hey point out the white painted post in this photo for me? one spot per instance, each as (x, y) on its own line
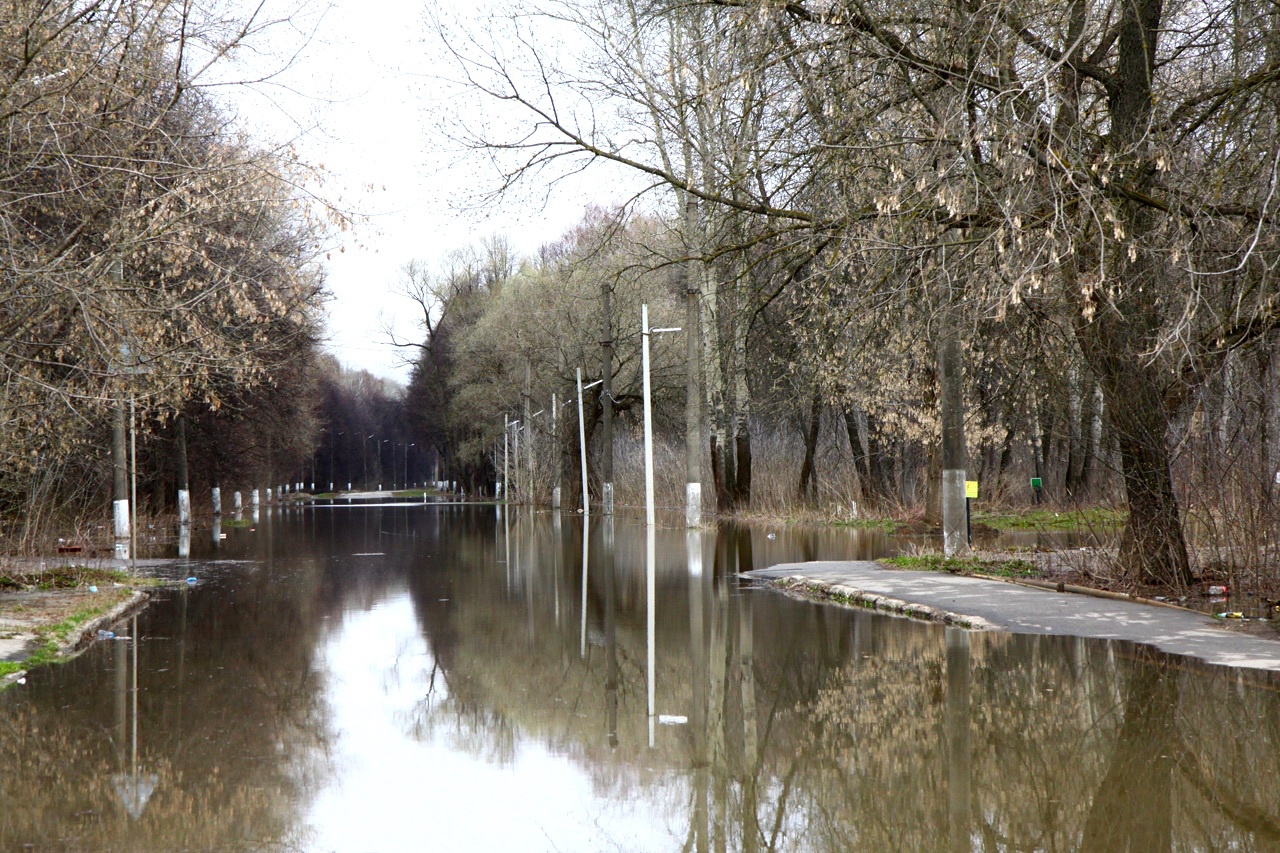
(582, 446)
(556, 457)
(649, 512)
(237, 501)
(120, 517)
(254, 500)
(184, 508)
(215, 497)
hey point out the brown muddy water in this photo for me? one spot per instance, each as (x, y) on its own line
(444, 677)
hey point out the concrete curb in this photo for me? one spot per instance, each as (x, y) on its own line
(83, 637)
(848, 596)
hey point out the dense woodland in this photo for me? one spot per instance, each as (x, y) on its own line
(1014, 240)
(155, 265)
(903, 241)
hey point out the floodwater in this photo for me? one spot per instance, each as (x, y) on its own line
(444, 677)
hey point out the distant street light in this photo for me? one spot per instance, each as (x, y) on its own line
(507, 424)
(582, 440)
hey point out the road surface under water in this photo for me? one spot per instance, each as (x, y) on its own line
(447, 677)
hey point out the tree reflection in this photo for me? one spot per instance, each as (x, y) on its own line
(807, 727)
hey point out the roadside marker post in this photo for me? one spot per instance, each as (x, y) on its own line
(970, 495)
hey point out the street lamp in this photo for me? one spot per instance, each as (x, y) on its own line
(645, 333)
(507, 424)
(582, 439)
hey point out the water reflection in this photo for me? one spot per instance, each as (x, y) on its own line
(393, 677)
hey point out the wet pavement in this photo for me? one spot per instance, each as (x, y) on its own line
(1000, 605)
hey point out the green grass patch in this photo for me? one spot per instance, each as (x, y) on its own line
(50, 639)
(1014, 568)
(236, 522)
(410, 493)
(886, 524)
(61, 577)
(1047, 519)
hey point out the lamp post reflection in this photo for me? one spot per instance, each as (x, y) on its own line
(586, 540)
(650, 587)
(133, 786)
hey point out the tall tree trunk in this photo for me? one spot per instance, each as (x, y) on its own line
(180, 442)
(1117, 340)
(713, 375)
(119, 455)
(807, 490)
(694, 330)
(741, 416)
(1077, 424)
(1271, 405)
(951, 403)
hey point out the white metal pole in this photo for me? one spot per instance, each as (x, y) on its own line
(506, 431)
(133, 486)
(582, 446)
(556, 458)
(648, 417)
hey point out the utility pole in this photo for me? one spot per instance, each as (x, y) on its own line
(528, 429)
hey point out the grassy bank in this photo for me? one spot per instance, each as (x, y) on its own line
(44, 613)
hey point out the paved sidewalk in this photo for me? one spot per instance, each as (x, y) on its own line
(1026, 610)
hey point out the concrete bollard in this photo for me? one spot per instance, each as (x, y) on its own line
(215, 496)
(120, 521)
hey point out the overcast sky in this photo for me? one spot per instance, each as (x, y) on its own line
(366, 96)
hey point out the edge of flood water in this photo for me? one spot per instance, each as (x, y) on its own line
(848, 596)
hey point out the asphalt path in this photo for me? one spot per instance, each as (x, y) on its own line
(998, 605)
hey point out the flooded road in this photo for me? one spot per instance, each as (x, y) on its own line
(446, 677)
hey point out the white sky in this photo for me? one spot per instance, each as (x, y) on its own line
(367, 86)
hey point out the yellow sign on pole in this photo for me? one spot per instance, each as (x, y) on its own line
(971, 489)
